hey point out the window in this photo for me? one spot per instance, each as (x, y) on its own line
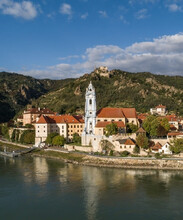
(38, 126)
(37, 131)
(62, 131)
(74, 126)
(120, 146)
(77, 126)
(81, 126)
(90, 101)
(129, 146)
(98, 120)
(71, 126)
(124, 146)
(44, 131)
(62, 127)
(105, 120)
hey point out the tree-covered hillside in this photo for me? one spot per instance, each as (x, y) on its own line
(117, 89)
(16, 91)
(121, 89)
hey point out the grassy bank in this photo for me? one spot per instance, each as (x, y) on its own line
(71, 157)
(10, 147)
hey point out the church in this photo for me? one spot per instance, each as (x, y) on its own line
(96, 121)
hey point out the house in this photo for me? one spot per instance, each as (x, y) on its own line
(101, 125)
(126, 115)
(173, 134)
(159, 110)
(32, 114)
(124, 145)
(165, 149)
(64, 125)
(156, 147)
(173, 121)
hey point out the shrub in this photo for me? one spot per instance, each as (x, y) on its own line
(125, 153)
(158, 156)
(111, 153)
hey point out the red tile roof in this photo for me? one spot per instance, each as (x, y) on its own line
(160, 106)
(174, 133)
(102, 124)
(58, 119)
(129, 142)
(157, 146)
(117, 113)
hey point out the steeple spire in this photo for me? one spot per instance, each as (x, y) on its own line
(90, 110)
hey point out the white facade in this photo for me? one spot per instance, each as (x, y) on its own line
(165, 149)
(90, 110)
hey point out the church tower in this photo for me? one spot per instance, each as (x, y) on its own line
(90, 110)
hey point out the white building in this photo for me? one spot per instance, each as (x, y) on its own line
(159, 110)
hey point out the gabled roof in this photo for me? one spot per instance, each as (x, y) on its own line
(128, 141)
(157, 146)
(102, 124)
(117, 113)
(58, 119)
(141, 130)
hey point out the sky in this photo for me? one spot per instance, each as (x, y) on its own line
(61, 39)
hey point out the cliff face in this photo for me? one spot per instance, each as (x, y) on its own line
(118, 89)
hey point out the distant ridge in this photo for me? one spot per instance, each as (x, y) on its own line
(116, 88)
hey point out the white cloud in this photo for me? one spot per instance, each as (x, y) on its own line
(162, 55)
(103, 14)
(141, 14)
(24, 9)
(174, 8)
(66, 9)
(84, 16)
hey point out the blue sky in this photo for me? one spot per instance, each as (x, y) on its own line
(59, 39)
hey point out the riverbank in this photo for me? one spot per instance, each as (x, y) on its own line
(102, 161)
(125, 163)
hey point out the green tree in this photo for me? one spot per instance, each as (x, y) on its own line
(13, 135)
(131, 128)
(165, 124)
(50, 137)
(58, 140)
(176, 145)
(17, 135)
(142, 141)
(111, 129)
(136, 150)
(29, 126)
(28, 137)
(76, 138)
(5, 131)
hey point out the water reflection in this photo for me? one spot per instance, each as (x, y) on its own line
(90, 189)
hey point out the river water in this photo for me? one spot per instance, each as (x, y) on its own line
(39, 188)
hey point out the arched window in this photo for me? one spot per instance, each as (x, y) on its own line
(90, 102)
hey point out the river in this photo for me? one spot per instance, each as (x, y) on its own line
(39, 188)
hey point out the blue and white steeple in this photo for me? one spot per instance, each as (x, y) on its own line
(90, 110)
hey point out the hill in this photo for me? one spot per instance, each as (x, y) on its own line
(115, 88)
(16, 91)
(118, 89)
